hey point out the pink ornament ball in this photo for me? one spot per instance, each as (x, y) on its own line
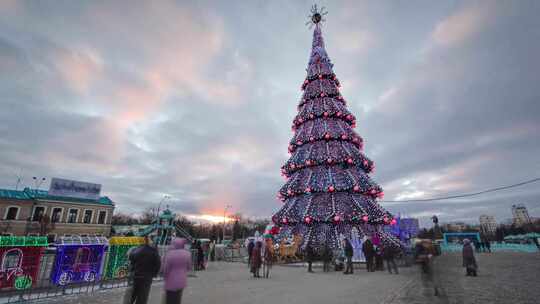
(343, 137)
(326, 136)
(306, 81)
(329, 160)
(312, 139)
(393, 222)
(349, 117)
(350, 161)
(325, 114)
(365, 218)
(307, 219)
(300, 120)
(356, 188)
(289, 192)
(331, 189)
(322, 94)
(285, 221)
(337, 218)
(299, 143)
(293, 166)
(308, 190)
(320, 76)
(311, 116)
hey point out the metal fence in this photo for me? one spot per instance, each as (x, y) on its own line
(45, 288)
(495, 247)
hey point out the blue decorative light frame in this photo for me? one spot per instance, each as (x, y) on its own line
(78, 259)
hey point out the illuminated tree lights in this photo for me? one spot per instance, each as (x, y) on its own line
(328, 191)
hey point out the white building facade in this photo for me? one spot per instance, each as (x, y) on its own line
(488, 224)
(520, 215)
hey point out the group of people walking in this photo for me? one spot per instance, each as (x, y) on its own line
(374, 254)
(145, 264)
(260, 256)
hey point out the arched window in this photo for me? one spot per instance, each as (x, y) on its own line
(12, 213)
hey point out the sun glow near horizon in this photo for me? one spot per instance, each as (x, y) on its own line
(215, 219)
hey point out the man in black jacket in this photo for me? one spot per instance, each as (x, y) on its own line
(309, 256)
(144, 266)
(369, 253)
(348, 250)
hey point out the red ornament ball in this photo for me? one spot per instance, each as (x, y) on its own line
(325, 114)
(349, 117)
(337, 218)
(331, 189)
(320, 76)
(285, 221)
(338, 114)
(329, 160)
(327, 136)
(308, 219)
(312, 139)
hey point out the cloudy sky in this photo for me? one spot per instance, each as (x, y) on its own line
(196, 99)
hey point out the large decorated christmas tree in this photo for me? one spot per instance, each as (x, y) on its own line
(328, 191)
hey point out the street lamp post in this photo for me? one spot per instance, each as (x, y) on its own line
(224, 212)
(160, 202)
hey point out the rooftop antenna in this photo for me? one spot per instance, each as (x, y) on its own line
(19, 179)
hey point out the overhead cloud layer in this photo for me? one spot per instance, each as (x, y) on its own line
(196, 100)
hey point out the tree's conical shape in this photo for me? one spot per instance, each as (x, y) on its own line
(328, 191)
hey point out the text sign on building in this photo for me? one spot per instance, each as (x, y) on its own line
(71, 188)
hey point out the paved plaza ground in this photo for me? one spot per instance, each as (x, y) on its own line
(503, 278)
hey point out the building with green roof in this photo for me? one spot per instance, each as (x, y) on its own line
(31, 212)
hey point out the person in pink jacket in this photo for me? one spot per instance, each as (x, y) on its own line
(176, 265)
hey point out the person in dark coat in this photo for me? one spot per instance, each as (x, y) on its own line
(327, 258)
(348, 250)
(369, 252)
(389, 254)
(250, 247)
(477, 245)
(145, 264)
(379, 263)
(200, 256)
(469, 261)
(309, 256)
(256, 260)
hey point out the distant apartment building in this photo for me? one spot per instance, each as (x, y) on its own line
(488, 225)
(55, 213)
(520, 215)
(455, 226)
